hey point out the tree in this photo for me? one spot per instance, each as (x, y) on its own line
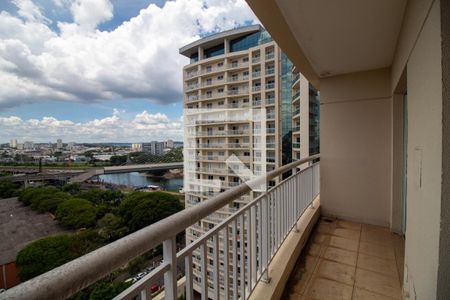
(43, 255)
(76, 213)
(51, 202)
(50, 252)
(8, 189)
(72, 188)
(152, 208)
(107, 290)
(111, 227)
(98, 196)
(127, 206)
(117, 160)
(35, 195)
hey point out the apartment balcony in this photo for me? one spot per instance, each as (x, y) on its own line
(256, 74)
(212, 95)
(208, 71)
(296, 112)
(270, 86)
(270, 101)
(238, 65)
(296, 145)
(270, 71)
(238, 92)
(270, 56)
(296, 129)
(256, 60)
(257, 103)
(296, 80)
(296, 96)
(238, 78)
(256, 88)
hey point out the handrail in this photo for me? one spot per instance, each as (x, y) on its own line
(66, 280)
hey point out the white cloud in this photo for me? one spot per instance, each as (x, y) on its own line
(143, 127)
(29, 11)
(139, 59)
(89, 13)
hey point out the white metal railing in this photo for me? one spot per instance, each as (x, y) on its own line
(253, 235)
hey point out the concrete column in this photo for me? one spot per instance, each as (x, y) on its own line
(226, 45)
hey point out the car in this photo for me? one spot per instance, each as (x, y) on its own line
(154, 288)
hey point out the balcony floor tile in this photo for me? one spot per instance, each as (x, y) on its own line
(347, 260)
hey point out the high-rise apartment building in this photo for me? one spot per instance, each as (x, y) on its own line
(154, 147)
(305, 117)
(59, 144)
(237, 100)
(13, 143)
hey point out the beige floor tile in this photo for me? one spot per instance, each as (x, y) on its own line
(377, 283)
(348, 225)
(327, 289)
(302, 273)
(321, 238)
(377, 250)
(314, 249)
(344, 243)
(340, 256)
(336, 271)
(380, 265)
(360, 294)
(324, 227)
(293, 296)
(346, 233)
(368, 227)
(377, 237)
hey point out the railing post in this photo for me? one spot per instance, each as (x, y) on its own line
(170, 277)
(265, 239)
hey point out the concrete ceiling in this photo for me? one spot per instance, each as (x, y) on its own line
(344, 36)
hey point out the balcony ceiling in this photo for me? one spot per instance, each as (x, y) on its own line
(334, 37)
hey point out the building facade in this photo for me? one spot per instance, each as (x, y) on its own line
(154, 147)
(305, 117)
(237, 100)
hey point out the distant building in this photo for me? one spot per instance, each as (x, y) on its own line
(154, 147)
(20, 146)
(178, 144)
(71, 145)
(168, 144)
(59, 144)
(13, 143)
(136, 147)
(28, 145)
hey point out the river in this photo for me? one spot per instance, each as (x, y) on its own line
(136, 179)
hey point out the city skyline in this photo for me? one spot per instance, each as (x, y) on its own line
(64, 85)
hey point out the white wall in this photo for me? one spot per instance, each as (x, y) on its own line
(355, 131)
(424, 81)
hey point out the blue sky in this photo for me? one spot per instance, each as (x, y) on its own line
(124, 10)
(101, 70)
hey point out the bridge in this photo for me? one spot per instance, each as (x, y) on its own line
(126, 169)
(81, 176)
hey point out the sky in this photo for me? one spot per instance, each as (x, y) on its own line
(101, 70)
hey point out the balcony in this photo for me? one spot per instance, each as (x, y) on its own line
(256, 88)
(270, 56)
(256, 60)
(295, 79)
(270, 101)
(256, 74)
(296, 96)
(348, 260)
(270, 86)
(296, 145)
(270, 71)
(243, 224)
